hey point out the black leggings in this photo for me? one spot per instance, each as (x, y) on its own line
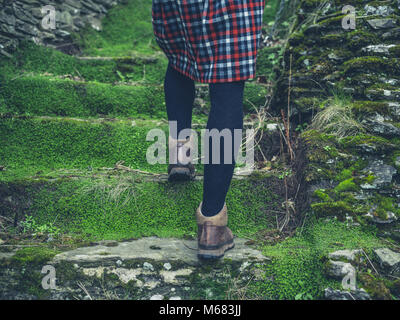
(226, 113)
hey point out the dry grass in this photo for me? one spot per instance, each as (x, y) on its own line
(119, 192)
(337, 118)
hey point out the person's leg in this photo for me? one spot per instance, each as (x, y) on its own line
(226, 113)
(179, 93)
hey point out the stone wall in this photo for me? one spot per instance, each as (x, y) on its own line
(22, 19)
(357, 176)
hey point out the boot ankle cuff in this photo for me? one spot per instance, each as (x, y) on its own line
(220, 219)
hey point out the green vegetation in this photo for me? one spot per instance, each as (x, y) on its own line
(346, 185)
(128, 206)
(297, 263)
(38, 95)
(33, 255)
(31, 59)
(337, 118)
(44, 145)
(127, 29)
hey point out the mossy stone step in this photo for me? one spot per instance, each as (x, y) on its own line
(48, 95)
(125, 205)
(41, 95)
(140, 269)
(35, 59)
(54, 146)
(42, 145)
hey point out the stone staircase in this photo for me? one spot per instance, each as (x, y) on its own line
(74, 173)
(81, 205)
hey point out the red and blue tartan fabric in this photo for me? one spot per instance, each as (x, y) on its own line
(210, 41)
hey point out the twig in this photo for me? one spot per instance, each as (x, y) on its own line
(370, 262)
(119, 166)
(80, 285)
(188, 246)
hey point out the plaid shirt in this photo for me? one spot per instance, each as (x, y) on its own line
(210, 41)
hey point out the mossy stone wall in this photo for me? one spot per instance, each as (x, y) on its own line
(356, 177)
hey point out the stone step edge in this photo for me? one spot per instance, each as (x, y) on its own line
(153, 249)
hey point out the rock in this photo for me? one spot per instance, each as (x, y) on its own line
(382, 23)
(20, 19)
(148, 266)
(383, 174)
(170, 250)
(359, 294)
(391, 34)
(377, 125)
(380, 10)
(167, 266)
(380, 48)
(339, 269)
(157, 297)
(131, 268)
(389, 259)
(244, 266)
(170, 276)
(108, 243)
(391, 217)
(348, 255)
(175, 298)
(394, 108)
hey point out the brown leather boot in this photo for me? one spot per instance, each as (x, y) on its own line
(213, 236)
(181, 167)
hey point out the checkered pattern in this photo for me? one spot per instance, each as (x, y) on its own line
(210, 40)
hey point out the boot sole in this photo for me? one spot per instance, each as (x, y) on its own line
(215, 253)
(180, 174)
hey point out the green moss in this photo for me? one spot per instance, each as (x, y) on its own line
(126, 29)
(374, 286)
(347, 185)
(321, 146)
(33, 256)
(372, 64)
(332, 22)
(381, 144)
(128, 206)
(267, 58)
(334, 39)
(46, 96)
(344, 174)
(254, 96)
(360, 38)
(41, 146)
(320, 193)
(370, 107)
(270, 11)
(334, 208)
(33, 59)
(297, 263)
(385, 205)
